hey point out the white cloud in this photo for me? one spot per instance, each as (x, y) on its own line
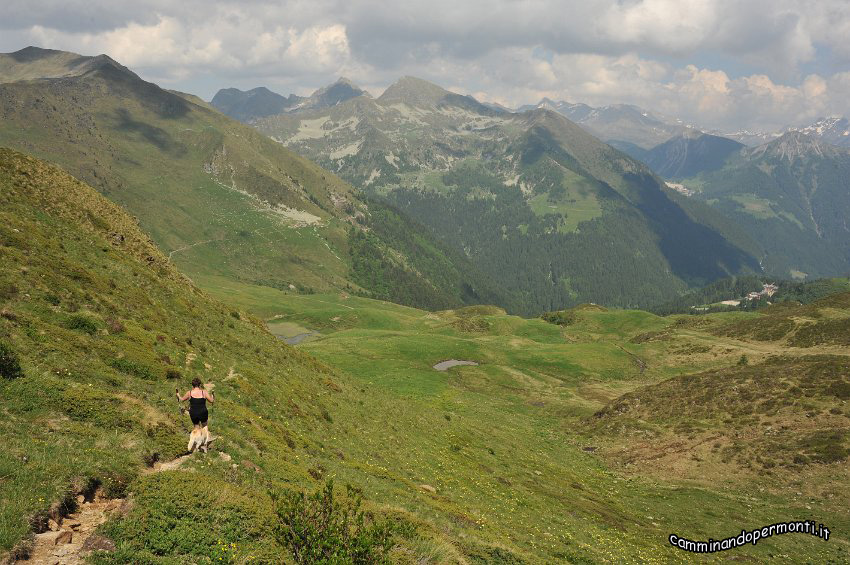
(723, 63)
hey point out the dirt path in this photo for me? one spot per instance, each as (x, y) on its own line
(70, 541)
(73, 540)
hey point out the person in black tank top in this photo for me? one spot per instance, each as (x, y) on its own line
(198, 398)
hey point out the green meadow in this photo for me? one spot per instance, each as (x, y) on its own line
(513, 446)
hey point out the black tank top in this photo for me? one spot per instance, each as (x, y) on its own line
(197, 404)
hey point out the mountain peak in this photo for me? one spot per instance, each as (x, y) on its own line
(258, 102)
(413, 91)
(35, 63)
(794, 145)
(336, 93)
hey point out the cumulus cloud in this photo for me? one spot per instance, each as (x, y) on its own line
(718, 63)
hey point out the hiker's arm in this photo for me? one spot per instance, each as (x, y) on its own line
(184, 397)
(210, 396)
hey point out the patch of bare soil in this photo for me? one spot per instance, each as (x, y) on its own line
(70, 539)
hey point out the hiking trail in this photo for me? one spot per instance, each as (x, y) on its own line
(70, 539)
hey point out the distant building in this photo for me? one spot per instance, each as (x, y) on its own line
(769, 289)
(754, 296)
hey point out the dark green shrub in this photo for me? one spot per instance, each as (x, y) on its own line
(81, 323)
(115, 486)
(841, 389)
(133, 368)
(826, 446)
(87, 404)
(321, 529)
(10, 367)
(166, 440)
(744, 360)
(561, 318)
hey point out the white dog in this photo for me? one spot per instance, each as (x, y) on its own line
(200, 438)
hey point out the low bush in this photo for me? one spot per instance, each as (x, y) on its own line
(166, 440)
(88, 404)
(81, 323)
(320, 528)
(133, 368)
(561, 318)
(193, 518)
(10, 366)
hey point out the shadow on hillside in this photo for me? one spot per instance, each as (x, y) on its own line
(697, 253)
(152, 134)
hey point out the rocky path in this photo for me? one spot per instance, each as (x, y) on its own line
(68, 540)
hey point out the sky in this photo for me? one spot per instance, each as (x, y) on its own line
(723, 64)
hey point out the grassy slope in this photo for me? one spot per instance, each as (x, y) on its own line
(175, 164)
(215, 195)
(503, 443)
(97, 320)
(533, 400)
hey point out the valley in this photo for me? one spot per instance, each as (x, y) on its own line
(432, 311)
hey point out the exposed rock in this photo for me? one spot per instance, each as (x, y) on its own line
(65, 536)
(55, 512)
(224, 456)
(52, 525)
(62, 551)
(96, 542)
(73, 524)
(428, 488)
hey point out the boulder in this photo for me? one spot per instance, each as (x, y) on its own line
(96, 542)
(65, 536)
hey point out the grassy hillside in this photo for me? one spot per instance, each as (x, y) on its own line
(498, 462)
(620, 427)
(216, 196)
(103, 329)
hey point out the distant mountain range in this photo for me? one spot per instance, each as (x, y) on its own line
(261, 102)
(533, 200)
(624, 126)
(834, 130)
(633, 128)
(792, 195)
(618, 123)
(406, 145)
(686, 154)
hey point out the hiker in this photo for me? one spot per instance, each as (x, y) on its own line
(197, 398)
